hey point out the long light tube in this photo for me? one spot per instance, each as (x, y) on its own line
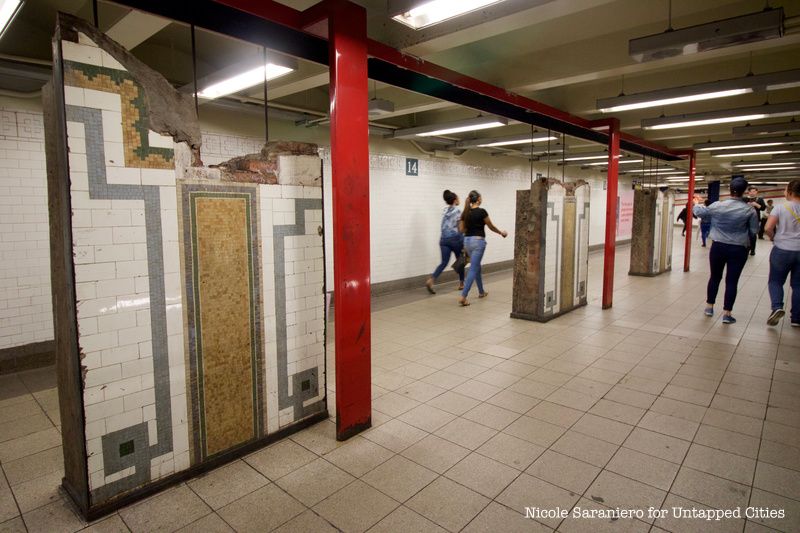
(771, 169)
(8, 8)
(746, 154)
(768, 129)
(747, 143)
(434, 11)
(243, 81)
(510, 140)
(470, 124)
(460, 129)
(621, 162)
(722, 116)
(701, 91)
(761, 165)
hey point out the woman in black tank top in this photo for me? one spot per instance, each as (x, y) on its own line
(474, 220)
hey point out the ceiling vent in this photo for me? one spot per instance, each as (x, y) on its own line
(767, 24)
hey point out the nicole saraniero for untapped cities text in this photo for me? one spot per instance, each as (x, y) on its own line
(653, 512)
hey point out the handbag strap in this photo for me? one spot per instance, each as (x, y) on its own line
(795, 215)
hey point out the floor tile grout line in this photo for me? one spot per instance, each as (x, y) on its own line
(14, 496)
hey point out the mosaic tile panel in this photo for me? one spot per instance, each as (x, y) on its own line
(651, 244)
(552, 248)
(226, 359)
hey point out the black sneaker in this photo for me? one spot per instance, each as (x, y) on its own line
(775, 317)
(728, 319)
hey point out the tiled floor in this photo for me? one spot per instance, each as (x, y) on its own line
(477, 416)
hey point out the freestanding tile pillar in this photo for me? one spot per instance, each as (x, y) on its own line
(551, 249)
(651, 242)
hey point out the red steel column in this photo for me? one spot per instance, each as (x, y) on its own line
(687, 250)
(611, 213)
(347, 26)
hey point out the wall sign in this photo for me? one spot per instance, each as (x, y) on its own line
(412, 166)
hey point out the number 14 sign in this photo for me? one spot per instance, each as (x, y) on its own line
(412, 167)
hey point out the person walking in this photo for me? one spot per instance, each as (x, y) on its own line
(733, 223)
(705, 226)
(683, 216)
(450, 239)
(473, 221)
(783, 229)
(764, 216)
(757, 203)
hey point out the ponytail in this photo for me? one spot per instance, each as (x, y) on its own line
(472, 198)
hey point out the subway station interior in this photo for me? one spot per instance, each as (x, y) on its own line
(400, 266)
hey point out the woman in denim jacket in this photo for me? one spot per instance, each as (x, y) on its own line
(450, 241)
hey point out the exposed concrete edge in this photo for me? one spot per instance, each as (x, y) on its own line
(27, 356)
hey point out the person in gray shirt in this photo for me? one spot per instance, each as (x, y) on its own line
(783, 228)
(733, 225)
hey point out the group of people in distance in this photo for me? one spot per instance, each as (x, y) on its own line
(733, 224)
(464, 233)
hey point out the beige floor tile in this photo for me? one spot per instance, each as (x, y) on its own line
(782, 433)
(20, 410)
(37, 492)
(211, 523)
(768, 500)
(674, 521)
(617, 411)
(550, 377)
(426, 417)
(448, 504)
(741, 407)
(356, 507)
(33, 466)
(435, 453)
(572, 399)
(14, 429)
(223, 485)
(779, 454)
(404, 519)
(590, 523)
(710, 490)
(280, 459)
(395, 435)
(631, 397)
(443, 379)
(511, 451)
(669, 425)
(168, 510)
(496, 517)
(465, 433)
(778, 480)
(358, 456)
(497, 378)
(720, 463)
(420, 391)
(532, 388)
(314, 482)
(483, 475)
(513, 401)
(528, 491)
(679, 409)
(453, 403)
(555, 414)
(603, 428)
(55, 517)
(319, 438)
(585, 448)
(399, 478)
(15, 525)
(262, 510)
(514, 368)
(535, 431)
(464, 369)
(29, 444)
(733, 422)
(645, 468)
(613, 490)
(729, 441)
(477, 389)
(491, 415)
(307, 522)
(563, 471)
(394, 404)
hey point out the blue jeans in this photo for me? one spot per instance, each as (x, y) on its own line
(447, 246)
(475, 247)
(781, 263)
(731, 259)
(705, 229)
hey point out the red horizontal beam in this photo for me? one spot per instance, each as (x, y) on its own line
(300, 20)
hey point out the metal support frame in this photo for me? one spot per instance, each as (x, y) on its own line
(687, 245)
(347, 29)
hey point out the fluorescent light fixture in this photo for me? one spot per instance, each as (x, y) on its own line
(245, 80)
(525, 138)
(420, 14)
(701, 91)
(771, 169)
(8, 9)
(621, 162)
(747, 154)
(722, 116)
(760, 165)
(685, 178)
(746, 143)
(768, 129)
(585, 158)
(470, 124)
(653, 171)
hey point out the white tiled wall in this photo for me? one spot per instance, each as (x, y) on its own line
(25, 301)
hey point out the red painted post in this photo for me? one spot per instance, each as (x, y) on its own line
(347, 26)
(687, 246)
(611, 213)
